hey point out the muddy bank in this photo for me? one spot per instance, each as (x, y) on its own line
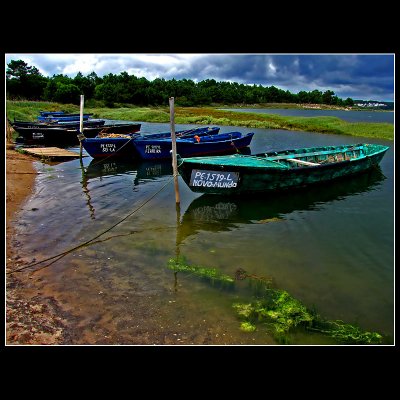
(31, 318)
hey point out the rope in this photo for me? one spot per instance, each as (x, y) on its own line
(233, 144)
(60, 255)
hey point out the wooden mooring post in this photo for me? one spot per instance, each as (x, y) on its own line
(174, 158)
(176, 185)
(81, 125)
(9, 133)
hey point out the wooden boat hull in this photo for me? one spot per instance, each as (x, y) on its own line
(205, 130)
(121, 128)
(52, 136)
(63, 117)
(238, 174)
(224, 143)
(51, 113)
(116, 147)
(123, 147)
(68, 136)
(69, 125)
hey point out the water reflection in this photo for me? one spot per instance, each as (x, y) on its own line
(86, 191)
(220, 213)
(142, 171)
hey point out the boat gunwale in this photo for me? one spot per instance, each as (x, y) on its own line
(191, 140)
(262, 157)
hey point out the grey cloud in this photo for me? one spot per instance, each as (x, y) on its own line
(348, 75)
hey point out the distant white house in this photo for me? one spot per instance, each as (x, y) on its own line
(370, 104)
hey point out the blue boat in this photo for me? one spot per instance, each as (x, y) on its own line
(65, 124)
(51, 113)
(223, 143)
(60, 135)
(64, 117)
(121, 145)
(213, 130)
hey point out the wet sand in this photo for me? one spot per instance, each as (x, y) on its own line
(32, 317)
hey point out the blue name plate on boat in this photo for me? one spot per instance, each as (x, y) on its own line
(214, 179)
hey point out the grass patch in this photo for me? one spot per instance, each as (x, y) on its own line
(145, 114)
(28, 111)
(272, 121)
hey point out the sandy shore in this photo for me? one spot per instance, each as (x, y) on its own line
(31, 318)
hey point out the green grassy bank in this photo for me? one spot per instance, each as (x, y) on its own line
(28, 110)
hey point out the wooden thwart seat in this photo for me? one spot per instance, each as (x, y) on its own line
(301, 161)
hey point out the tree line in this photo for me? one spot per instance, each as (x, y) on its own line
(26, 82)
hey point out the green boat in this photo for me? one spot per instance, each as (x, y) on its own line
(240, 174)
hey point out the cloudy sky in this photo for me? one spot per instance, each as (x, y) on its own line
(359, 76)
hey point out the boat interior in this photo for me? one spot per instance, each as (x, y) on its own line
(307, 159)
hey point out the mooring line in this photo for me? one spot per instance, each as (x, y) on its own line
(88, 244)
(60, 255)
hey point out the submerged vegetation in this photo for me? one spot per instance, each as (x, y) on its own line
(28, 110)
(211, 275)
(276, 309)
(346, 333)
(283, 314)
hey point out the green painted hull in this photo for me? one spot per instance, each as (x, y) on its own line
(276, 171)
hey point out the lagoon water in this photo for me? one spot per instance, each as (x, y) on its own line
(331, 247)
(350, 116)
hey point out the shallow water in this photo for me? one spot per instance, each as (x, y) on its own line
(331, 247)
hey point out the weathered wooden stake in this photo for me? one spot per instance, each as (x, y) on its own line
(9, 133)
(174, 159)
(81, 125)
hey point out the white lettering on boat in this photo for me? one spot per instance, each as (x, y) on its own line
(108, 147)
(214, 179)
(152, 148)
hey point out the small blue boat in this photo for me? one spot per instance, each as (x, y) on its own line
(122, 146)
(223, 143)
(51, 113)
(206, 130)
(64, 117)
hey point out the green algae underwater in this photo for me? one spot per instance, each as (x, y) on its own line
(275, 308)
